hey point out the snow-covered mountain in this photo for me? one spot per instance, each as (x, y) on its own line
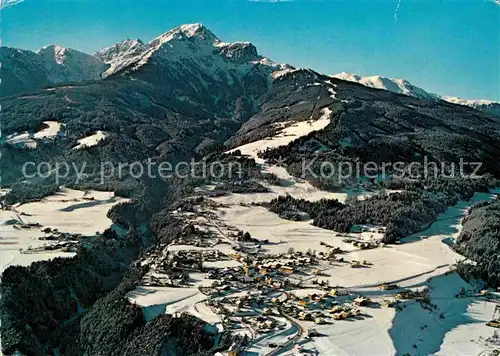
(492, 107)
(191, 63)
(121, 54)
(399, 86)
(190, 44)
(189, 53)
(24, 71)
(65, 65)
(402, 86)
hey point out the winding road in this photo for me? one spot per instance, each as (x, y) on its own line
(292, 341)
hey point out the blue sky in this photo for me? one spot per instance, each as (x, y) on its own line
(444, 46)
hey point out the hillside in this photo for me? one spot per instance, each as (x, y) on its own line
(480, 241)
(375, 125)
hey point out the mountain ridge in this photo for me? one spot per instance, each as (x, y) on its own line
(52, 65)
(402, 86)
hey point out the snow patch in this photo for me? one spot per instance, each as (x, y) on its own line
(52, 130)
(91, 140)
(468, 102)
(290, 132)
(24, 140)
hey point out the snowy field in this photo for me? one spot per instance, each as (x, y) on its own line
(69, 210)
(288, 133)
(454, 328)
(52, 130)
(91, 140)
(24, 139)
(300, 189)
(27, 139)
(166, 300)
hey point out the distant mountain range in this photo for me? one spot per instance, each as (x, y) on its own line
(191, 45)
(25, 71)
(402, 86)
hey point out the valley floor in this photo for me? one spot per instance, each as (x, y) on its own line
(455, 326)
(442, 325)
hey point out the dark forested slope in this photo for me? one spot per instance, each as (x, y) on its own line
(480, 241)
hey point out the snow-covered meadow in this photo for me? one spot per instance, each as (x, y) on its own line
(71, 211)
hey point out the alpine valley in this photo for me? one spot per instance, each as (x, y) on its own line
(293, 252)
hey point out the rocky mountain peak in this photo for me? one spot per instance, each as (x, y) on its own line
(123, 48)
(54, 52)
(69, 65)
(196, 32)
(239, 51)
